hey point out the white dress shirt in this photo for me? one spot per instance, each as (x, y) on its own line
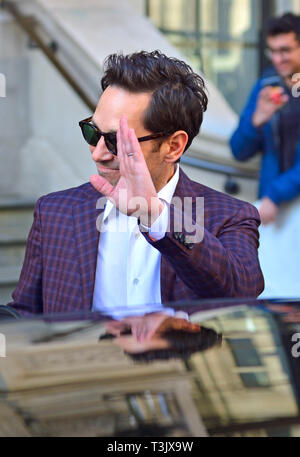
(128, 267)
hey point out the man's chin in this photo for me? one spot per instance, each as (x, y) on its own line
(287, 75)
(286, 72)
(112, 176)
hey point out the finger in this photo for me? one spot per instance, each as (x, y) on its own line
(268, 95)
(134, 330)
(265, 92)
(272, 89)
(124, 131)
(135, 146)
(122, 155)
(149, 333)
(130, 149)
(285, 98)
(269, 91)
(142, 335)
(101, 185)
(138, 331)
(120, 148)
(123, 139)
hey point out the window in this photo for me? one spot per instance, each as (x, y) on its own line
(221, 38)
(244, 352)
(246, 355)
(252, 380)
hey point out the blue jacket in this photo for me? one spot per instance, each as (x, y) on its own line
(248, 140)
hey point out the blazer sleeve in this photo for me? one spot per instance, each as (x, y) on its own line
(247, 140)
(222, 265)
(27, 297)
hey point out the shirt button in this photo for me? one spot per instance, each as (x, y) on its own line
(137, 233)
(136, 281)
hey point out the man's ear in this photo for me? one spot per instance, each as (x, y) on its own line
(176, 144)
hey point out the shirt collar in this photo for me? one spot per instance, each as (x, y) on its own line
(166, 193)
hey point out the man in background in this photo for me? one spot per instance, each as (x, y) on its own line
(270, 122)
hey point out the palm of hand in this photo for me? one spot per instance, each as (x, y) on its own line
(135, 190)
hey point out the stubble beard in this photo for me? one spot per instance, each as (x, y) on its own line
(113, 180)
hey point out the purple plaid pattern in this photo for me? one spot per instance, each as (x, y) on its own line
(59, 268)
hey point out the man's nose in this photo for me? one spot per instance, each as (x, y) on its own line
(100, 152)
(278, 59)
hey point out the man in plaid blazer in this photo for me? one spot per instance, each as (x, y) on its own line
(155, 104)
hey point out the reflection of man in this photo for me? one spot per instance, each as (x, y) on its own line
(157, 336)
(270, 122)
(155, 104)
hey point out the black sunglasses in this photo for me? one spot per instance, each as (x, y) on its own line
(92, 135)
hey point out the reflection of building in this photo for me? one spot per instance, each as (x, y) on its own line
(58, 380)
(247, 388)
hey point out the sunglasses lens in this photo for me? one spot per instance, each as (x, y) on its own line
(111, 143)
(90, 135)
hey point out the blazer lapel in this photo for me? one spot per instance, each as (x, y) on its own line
(86, 216)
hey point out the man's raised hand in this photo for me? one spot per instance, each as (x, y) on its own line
(135, 193)
(267, 104)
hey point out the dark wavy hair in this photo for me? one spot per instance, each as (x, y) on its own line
(287, 23)
(183, 344)
(178, 94)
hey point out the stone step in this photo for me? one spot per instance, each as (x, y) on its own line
(15, 202)
(9, 275)
(12, 253)
(5, 294)
(15, 224)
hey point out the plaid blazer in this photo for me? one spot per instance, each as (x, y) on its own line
(59, 268)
